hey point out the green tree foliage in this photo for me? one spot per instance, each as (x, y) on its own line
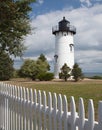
(28, 69)
(45, 76)
(33, 69)
(42, 57)
(14, 25)
(65, 72)
(42, 61)
(6, 66)
(77, 72)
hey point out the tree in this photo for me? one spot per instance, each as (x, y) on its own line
(33, 69)
(77, 72)
(14, 25)
(65, 72)
(29, 69)
(42, 61)
(42, 57)
(6, 66)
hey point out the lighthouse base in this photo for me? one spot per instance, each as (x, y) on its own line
(56, 77)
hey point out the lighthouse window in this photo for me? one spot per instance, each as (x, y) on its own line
(56, 57)
(71, 47)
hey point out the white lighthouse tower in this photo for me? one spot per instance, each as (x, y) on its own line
(64, 45)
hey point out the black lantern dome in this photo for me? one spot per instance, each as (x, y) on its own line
(64, 26)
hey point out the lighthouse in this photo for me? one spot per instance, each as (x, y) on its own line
(64, 45)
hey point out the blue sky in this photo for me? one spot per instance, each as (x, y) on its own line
(85, 15)
(45, 6)
(53, 5)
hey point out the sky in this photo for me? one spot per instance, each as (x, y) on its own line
(85, 15)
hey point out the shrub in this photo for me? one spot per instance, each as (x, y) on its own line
(45, 76)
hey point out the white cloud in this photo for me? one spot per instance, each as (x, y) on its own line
(85, 3)
(40, 1)
(88, 39)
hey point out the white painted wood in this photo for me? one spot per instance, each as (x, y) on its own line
(59, 112)
(50, 110)
(21, 108)
(90, 115)
(39, 111)
(24, 109)
(81, 122)
(27, 110)
(55, 111)
(65, 114)
(44, 109)
(73, 113)
(35, 110)
(31, 109)
(100, 115)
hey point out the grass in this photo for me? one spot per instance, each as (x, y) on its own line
(87, 89)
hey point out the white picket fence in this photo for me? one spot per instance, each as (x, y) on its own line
(26, 109)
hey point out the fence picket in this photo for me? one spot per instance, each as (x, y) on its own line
(24, 109)
(100, 115)
(50, 111)
(59, 112)
(90, 115)
(39, 111)
(35, 110)
(31, 109)
(44, 109)
(55, 111)
(81, 114)
(73, 113)
(65, 115)
(27, 104)
(15, 108)
(21, 108)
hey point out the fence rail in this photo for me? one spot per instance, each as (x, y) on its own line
(26, 109)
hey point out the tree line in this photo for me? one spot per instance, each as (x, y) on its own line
(38, 69)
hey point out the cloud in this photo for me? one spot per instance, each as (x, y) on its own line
(40, 1)
(86, 3)
(37, 3)
(88, 39)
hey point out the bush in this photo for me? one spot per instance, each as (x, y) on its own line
(45, 76)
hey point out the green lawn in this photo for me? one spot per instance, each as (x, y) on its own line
(87, 89)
